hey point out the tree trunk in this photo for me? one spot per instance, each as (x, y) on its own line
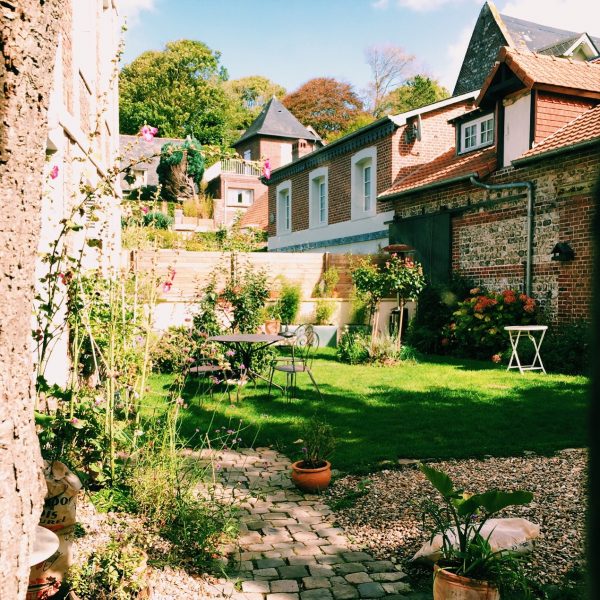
(28, 41)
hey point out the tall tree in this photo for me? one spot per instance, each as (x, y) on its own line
(248, 95)
(179, 90)
(28, 42)
(390, 67)
(324, 103)
(418, 91)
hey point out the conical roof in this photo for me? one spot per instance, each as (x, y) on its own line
(277, 121)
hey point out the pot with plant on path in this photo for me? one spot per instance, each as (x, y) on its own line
(469, 568)
(313, 472)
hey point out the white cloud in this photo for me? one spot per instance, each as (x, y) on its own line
(428, 5)
(380, 4)
(453, 58)
(131, 9)
(579, 16)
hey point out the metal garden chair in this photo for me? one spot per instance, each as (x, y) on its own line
(297, 357)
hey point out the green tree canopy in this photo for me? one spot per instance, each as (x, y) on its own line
(179, 90)
(326, 104)
(248, 95)
(418, 91)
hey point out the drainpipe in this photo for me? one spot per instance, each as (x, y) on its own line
(529, 186)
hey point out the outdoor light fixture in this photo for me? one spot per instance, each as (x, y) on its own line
(563, 252)
(272, 218)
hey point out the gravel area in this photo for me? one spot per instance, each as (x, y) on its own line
(386, 520)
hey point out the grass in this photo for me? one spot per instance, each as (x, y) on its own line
(437, 408)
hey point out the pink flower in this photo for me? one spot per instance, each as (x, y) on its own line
(148, 132)
(496, 358)
(54, 172)
(74, 420)
(145, 210)
(267, 169)
(167, 287)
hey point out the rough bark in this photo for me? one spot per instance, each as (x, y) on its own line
(28, 40)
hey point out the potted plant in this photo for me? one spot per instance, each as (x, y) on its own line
(313, 472)
(273, 318)
(468, 567)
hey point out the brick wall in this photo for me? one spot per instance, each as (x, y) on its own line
(489, 240)
(553, 111)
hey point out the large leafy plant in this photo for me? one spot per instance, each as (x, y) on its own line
(460, 520)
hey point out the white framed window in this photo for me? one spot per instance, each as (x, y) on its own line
(247, 154)
(239, 197)
(318, 197)
(363, 177)
(286, 153)
(284, 207)
(477, 133)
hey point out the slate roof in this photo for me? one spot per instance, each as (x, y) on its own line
(553, 71)
(585, 128)
(134, 148)
(277, 121)
(445, 168)
(537, 37)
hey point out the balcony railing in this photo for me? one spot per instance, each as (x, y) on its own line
(238, 166)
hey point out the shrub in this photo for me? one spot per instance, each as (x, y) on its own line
(158, 220)
(172, 350)
(353, 347)
(324, 310)
(356, 347)
(289, 302)
(478, 327)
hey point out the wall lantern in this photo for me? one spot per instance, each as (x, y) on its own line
(272, 218)
(563, 252)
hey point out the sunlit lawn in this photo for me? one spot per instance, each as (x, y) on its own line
(437, 408)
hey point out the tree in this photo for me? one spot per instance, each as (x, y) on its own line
(361, 120)
(325, 104)
(418, 91)
(248, 95)
(180, 169)
(29, 37)
(390, 67)
(179, 90)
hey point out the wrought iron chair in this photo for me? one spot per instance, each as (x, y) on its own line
(210, 371)
(299, 360)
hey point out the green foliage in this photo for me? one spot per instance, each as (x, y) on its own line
(157, 220)
(358, 122)
(435, 306)
(404, 277)
(180, 169)
(173, 350)
(206, 321)
(369, 283)
(357, 347)
(325, 104)
(566, 349)
(462, 516)
(318, 443)
(288, 303)
(115, 571)
(478, 327)
(418, 91)
(179, 90)
(324, 310)
(353, 347)
(248, 96)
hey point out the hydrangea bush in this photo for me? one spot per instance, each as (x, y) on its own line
(477, 327)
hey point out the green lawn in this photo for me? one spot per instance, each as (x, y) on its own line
(437, 408)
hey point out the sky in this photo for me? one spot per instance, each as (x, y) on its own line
(292, 41)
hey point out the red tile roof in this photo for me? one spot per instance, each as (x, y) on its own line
(257, 213)
(539, 69)
(585, 128)
(445, 168)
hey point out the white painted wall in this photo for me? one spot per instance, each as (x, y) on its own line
(517, 121)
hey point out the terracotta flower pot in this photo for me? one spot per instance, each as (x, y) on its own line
(272, 326)
(311, 480)
(448, 586)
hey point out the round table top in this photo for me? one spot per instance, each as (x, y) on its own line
(526, 327)
(251, 338)
(45, 544)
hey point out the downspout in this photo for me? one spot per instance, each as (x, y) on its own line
(529, 186)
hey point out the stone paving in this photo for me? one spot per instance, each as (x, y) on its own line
(288, 548)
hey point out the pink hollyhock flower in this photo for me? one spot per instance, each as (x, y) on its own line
(167, 285)
(54, 172)
(267, 169)
(148, 132)
(145, 210)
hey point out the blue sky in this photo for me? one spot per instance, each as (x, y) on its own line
(292, 41)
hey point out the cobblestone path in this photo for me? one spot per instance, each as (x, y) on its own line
(288, 548)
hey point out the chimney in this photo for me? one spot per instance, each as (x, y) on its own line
(300, 148)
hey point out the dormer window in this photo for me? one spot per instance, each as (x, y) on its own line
(477, 133)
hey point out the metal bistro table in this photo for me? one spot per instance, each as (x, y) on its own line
(247, 344)
(515, 332)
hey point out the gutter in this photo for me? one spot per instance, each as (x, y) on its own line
(529, 186)
(543, 155)
(429, 186)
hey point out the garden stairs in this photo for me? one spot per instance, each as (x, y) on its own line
(289, 547)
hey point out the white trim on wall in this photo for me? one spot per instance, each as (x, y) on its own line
(284, 208)
(318, 182)
(365, 159)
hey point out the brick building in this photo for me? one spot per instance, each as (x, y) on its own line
(325, 200)
(82, 145)
(533, 141)
(275, 135)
